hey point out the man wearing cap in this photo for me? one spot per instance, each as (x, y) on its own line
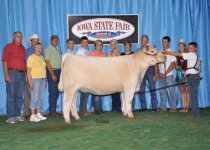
(14, 69)
(53, 60)
(150, 77)
(34, 39)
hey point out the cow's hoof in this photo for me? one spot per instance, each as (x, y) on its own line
(125, 114)
(68, 122)
(131, 117)
(77, 118)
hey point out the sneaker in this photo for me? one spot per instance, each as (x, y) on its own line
(19, 118)
(39, 115)
(26, 117)
(172, 110)
(34, 118)
(11, 120)
(161, 110)
(55, 114)
(86, 114)
(154, 110)
(143, 110)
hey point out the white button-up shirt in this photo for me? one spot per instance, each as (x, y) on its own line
(191, 58)
(82, 52)
(163, 67)
(69, 52)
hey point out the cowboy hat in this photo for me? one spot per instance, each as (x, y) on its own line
(34, 36)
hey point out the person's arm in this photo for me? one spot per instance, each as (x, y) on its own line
(170, 68)
(49, 68)
(155, 76)
(26, 76)
(47, 56)
(173, 53)
(118, 54)
(6, 72)
(109, 54)
(161, 75)
(29, 78)
(5, 59)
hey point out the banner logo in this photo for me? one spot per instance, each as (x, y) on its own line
(105, 29)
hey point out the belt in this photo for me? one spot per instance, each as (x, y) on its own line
(56, 68)
(11, 69)
(191, 75)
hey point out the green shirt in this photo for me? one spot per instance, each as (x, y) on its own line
(53, 55)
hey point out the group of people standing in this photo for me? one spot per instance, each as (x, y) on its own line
(28, 71)
(187, 65)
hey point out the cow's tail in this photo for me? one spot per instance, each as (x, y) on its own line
(60, 84)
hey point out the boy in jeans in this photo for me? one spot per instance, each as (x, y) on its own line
(193, 78)
(83, 51)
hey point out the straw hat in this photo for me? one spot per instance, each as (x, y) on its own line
(34, 36)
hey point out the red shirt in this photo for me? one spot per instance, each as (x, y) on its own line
(14, 56)
(97, 54)
(182, 63)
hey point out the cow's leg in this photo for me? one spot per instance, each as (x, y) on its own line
(128, 101)
(67, 102)
(74, 108)
(123, 104)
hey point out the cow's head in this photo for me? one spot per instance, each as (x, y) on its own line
(158, 57)
(150, 50)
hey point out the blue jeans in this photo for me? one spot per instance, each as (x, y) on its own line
(83, 102)
(163, 82)
(97, 103)
(116, 102)
(193, 83)
(148, 77)
(37, 94)
(53, 90)
(15, 93)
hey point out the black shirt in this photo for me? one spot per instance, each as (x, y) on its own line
(127, 54)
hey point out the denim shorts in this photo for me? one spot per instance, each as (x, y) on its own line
(37, 94)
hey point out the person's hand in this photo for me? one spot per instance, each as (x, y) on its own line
(162, 75)
(31, 86)
(54, 77)
(45, 84)
(155, 77)
(27, 82)
(8, 79)
(164, 52)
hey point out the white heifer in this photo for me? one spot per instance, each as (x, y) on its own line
(103, 76)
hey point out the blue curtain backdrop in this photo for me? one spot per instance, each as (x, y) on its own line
(187, 19)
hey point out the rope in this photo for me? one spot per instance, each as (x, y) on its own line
(157, 89)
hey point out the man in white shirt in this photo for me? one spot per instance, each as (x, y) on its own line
(70, 45)
(166, 75)
(82, 51)
(193, 78)
(150, 77)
